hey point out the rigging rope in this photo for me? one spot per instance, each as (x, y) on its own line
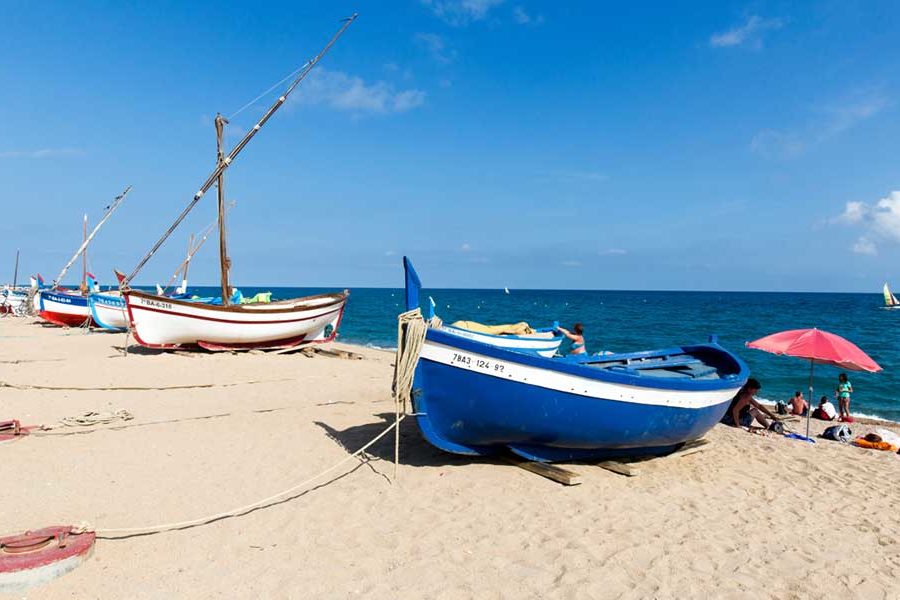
(268, 91)
(25, 386)
(132, 531)
(411, 330)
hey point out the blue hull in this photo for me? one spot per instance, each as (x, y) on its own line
(470, 413)
(474, 398)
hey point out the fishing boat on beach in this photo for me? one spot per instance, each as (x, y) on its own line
(890, 300)
(70, 308)
(474, 398)
(158, 321)
(108, 308)
(13, 299)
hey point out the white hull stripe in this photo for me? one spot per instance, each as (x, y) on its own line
(572, 384)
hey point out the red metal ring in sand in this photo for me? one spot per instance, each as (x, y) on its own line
(35, 557)
(13, 430)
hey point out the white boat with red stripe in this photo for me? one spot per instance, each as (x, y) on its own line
(162, 322)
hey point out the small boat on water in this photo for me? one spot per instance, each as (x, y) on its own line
(162, 322)
(890, 300)
(479, 399)
(543, 341)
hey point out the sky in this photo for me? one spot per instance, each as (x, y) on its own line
(586, 145)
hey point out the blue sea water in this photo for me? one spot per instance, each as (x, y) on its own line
(630, 321)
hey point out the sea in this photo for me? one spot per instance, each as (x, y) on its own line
(628, 321)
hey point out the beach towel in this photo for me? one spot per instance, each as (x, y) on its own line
(838, 433)
(874, 442)
(521, 328)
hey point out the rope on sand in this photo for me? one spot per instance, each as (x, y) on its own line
(411, 330)
(134, 531)
(26, 386)
(91, 418)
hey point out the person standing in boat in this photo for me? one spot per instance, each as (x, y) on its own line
(843, 391)
(744, 408)
(576, 336)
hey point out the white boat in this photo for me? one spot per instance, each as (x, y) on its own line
(158, 321)
(13, 301)
(890, 300)
(543, 342)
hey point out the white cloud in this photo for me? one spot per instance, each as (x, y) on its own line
(880, 222)
(571, 263)
(830, 120)
(436, 47)
(750, 33)
(461, 12)
(523, 18)
(42, 153)
(465, 248)
(854, 212)
(612, 252)
(865, 246)
(390, 253)
(341, 91)
(777, 144)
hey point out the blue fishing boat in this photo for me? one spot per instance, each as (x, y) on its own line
(474, 398)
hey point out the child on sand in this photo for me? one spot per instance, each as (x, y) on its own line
(843, 391)
(826, 411)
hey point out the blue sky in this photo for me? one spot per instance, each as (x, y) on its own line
(719, 145)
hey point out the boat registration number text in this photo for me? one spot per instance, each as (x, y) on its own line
(477, 363)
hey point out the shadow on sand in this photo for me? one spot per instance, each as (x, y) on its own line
(414, 450)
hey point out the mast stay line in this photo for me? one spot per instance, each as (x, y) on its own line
(226, 162)
(109, 211)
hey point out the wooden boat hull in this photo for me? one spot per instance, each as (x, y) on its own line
(477, 399)
(12, 301)
(67, 310)
(162, 322)
(108, 310)
(544, 346)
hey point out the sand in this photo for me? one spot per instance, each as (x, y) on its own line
(750, 517)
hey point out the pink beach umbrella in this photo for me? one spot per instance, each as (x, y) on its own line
(817, 346)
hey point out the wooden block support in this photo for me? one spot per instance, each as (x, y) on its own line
(692, 447)
(620, 468)
(554, 472)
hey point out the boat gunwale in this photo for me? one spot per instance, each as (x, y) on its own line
(337, 298)
(577, 369)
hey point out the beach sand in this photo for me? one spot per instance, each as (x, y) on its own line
(749, 517)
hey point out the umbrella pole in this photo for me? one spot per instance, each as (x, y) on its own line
(809, 408)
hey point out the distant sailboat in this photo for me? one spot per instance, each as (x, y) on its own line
(506, 290)
(890, 300)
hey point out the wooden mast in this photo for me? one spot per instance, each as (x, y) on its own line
(84, 258)
(124, 281)
(16, 271)
(224, 261)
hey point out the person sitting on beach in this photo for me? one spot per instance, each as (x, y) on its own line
(744, 408)
(843, 391)
(576, 336)
(799, 405)
(826, 411)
